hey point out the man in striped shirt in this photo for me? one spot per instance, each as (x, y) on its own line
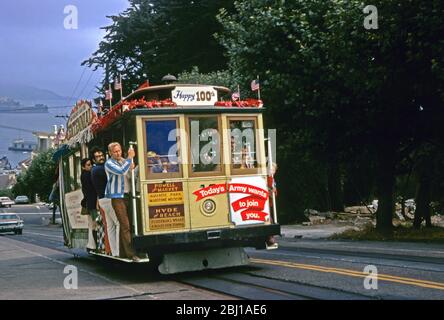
(117, 189)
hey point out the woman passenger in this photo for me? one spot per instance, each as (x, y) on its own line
(89, 202)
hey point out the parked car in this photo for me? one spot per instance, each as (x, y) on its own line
(6, 202)
(21, 199)
(10, 222)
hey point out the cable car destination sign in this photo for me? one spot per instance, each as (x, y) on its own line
(78, 126)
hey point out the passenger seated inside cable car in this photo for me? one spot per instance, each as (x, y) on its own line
(243, 155)
(161, 164)
(162, 156)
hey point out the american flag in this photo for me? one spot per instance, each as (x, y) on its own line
(235, 96)
(146, 84)
(117, 84)
(255, 85)
(108, 94)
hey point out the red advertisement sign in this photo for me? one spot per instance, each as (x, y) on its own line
(250, 202)
(248, 189)
(248, 215)
(248, 208)
(210, 191)
(216, 189)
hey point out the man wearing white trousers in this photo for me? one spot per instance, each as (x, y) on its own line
(117, 189)
(99, 179)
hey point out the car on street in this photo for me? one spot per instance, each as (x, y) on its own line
(21, 200)
(10, 222)
(6, 202)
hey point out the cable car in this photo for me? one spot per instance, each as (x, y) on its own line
(199, 192)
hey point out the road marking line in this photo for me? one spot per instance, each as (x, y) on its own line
(365, 274)
(354, 273)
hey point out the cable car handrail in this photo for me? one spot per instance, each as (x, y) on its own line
(133, 194)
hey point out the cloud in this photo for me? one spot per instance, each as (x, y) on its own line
(37, 49)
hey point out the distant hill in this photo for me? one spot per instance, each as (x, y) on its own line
(25, 92)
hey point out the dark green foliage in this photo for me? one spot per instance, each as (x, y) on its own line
(356, 111)
(38, 179)
(338, 90)
(220, 78)
(7, 193)
(156, 37)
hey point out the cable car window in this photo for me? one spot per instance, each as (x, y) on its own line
(162, 147)
(205, 144)
(243, 147)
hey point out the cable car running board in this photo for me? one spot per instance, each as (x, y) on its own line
(203, 260)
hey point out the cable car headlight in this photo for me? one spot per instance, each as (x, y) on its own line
(208, 207)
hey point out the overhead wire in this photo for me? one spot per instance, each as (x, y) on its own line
(92, 89)
(84, 87)
(77, 85)
(16, 128)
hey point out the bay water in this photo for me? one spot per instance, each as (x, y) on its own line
(24, 124)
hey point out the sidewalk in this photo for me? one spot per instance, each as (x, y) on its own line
(320, 231)
(314, 236)
(34, 272)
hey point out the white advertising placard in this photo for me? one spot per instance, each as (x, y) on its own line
(249, 200)
(73, 207)
(194, 96)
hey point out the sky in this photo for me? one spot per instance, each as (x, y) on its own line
(36, 49)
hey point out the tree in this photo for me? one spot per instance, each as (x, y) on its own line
(220, 78)
(6, 193)
(342, 88)
(38, 179)
(290, 44)
(155, 37)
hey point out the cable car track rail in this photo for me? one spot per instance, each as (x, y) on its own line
(245, 285)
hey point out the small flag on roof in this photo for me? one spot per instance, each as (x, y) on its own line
(108, 94)
(255, 85)
(118, 84)
(146, 84)
(236, 95)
